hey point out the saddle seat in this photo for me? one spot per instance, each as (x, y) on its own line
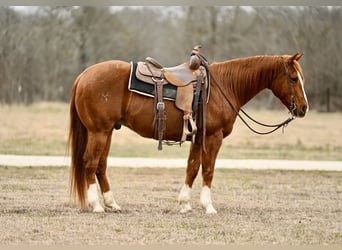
(180, 75)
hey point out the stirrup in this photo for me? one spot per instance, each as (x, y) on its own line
(186, 132)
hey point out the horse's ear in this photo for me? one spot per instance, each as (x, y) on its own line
(297, 56)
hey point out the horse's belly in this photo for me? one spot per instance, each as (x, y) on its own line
(140, 118)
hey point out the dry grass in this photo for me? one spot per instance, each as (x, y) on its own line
(42, 129)
(254, 208)
(37, 129)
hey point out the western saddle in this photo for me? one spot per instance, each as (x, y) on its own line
(190, 78)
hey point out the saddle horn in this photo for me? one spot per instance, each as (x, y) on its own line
(195, 60)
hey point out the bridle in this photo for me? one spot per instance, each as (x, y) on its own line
(290, 80)
(273, 126)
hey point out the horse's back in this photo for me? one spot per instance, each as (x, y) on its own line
(106, 70)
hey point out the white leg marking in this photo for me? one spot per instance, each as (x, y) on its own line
(110, 202)
(93, 199)
(184, 199)
(205, 200)
(302, 84)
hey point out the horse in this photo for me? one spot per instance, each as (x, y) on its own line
(101, 102)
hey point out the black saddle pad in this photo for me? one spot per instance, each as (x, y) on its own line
(147, 89)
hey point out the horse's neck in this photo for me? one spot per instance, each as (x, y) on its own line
(244, 78)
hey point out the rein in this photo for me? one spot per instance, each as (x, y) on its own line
(273, 126)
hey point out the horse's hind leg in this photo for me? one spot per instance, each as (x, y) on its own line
(103, 180)
(95, 147)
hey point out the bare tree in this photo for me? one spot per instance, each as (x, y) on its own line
(42, 52)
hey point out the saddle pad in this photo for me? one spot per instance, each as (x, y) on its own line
(147, 89)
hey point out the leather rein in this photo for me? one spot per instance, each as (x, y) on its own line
(273, 126)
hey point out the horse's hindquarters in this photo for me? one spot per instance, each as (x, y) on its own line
(101, 95)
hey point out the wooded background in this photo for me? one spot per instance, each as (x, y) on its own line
(43, 49)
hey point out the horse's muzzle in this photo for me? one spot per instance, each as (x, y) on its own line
(301, 111)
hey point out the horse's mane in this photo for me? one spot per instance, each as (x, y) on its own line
(251, 72)
(249, 69)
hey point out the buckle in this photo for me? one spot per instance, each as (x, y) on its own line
(160, 106)
(161, 80)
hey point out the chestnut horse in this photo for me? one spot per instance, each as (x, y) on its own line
(101, 101)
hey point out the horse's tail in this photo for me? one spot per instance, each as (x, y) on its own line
(77, 143)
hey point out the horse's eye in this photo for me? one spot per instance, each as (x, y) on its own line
(294, 79)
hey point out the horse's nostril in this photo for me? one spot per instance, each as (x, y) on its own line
(304, 108)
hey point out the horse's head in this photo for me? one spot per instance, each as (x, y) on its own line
(289, 85)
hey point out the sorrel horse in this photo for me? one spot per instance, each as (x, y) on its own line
(101, 102)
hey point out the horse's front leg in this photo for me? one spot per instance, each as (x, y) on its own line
(194, 161)
(213, 144)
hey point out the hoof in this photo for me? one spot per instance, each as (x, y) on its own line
(185, 208)
(93, 199)
(98, 209)
(205, 200)
(183, 199)
(210, 209)
(110, 203)
(113, 207)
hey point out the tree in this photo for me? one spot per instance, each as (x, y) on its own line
(42, 51)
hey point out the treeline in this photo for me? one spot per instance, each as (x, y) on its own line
(42, 50)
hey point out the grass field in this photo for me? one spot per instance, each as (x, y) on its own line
(41, 129)
(254, 208)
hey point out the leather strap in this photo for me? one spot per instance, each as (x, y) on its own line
(204, 114)
(159, 117)
(197, 94)
(201, 114)
(160, 109)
